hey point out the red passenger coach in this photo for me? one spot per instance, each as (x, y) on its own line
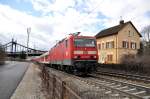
(76, 54)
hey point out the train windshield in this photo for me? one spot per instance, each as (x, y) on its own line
(84, 42)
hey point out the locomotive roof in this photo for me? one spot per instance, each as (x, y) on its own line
(76, 36)
(85, 37)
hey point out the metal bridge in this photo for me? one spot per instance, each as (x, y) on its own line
(14, 49)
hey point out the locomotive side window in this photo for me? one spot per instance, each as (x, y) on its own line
(83, 42)
(66, 43)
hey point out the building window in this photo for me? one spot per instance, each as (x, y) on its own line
(107, 44)
(129, 33)
(133, 34)
(99, 46)
(103, 45)
(110, 57)
(133, 45)
(110, 44)
(125, 44)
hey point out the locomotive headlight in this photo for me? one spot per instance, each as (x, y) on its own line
(95, 57)
(75, 57)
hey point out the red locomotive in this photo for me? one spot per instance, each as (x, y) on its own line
(75, 54)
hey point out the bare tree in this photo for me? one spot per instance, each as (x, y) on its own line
(146, 33)
(146, 40)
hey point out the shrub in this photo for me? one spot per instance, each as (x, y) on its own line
(139, 64)
(2, 55)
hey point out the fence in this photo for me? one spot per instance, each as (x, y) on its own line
(56, 87)
(59, 85)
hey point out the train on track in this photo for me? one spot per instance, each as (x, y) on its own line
(74, 54)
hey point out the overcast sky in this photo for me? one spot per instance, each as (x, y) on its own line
(52, 20)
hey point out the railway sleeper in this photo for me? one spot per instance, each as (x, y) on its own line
(110, 84)
(146, 97)
(121, 93)
(119, 85)
(108, 92)
(139, 92)
(132, 89)
(122, 87)
(115, 94)
(105, 83)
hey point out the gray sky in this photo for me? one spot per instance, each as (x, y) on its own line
(52, 20)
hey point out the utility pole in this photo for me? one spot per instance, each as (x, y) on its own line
(28, 33)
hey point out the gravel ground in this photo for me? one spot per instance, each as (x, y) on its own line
(30, 86)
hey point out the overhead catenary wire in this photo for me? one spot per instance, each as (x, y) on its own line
(83, 18)
(90, 12)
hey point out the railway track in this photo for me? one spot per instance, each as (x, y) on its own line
(113, 88)
(136, 77)
(117, 89)
(120, 89)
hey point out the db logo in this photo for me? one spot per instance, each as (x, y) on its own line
(85, 52)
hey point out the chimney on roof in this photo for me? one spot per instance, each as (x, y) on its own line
(121, 22)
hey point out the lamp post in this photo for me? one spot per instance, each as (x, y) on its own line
(28, 33)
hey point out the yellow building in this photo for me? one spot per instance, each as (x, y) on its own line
(115, 42)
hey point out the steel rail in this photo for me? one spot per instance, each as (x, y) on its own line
(110, 87)
(133, 90)
(144, 79)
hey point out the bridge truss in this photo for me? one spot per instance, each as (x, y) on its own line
(14, 49)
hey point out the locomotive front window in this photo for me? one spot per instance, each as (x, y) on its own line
(82, 42)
